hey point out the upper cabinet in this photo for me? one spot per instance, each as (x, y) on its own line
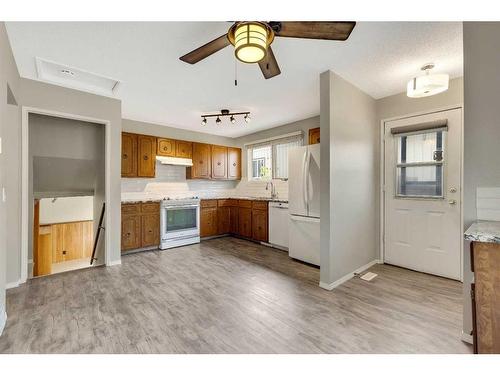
(201, 162)
(219, 162)
(175, 148)
(138, 155)
(129, 155)
(146, 166)
(166, 147)
(313, 136)
(233, 163)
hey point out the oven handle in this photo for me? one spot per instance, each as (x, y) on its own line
(177, 207)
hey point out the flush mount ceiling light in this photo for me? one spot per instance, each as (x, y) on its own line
(428, 84)
(225, 113)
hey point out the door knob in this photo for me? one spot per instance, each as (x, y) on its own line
(452, 201)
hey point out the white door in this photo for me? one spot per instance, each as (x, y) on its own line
(297, 158)
(313, 181)
(423, 193)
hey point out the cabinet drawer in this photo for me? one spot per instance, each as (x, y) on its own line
(131, 208)
(245, 203)
(152, 207)
(259, 205)
(208, 203)
(225, 203)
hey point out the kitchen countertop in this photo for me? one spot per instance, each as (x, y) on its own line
(484, 231)
(160, 198)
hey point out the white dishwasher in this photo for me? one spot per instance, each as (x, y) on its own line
(278, 224)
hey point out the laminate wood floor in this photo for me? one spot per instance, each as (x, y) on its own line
(228, 295)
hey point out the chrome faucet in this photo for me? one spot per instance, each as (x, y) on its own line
(273, 189)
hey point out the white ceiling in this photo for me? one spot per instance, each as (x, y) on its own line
(379, 58)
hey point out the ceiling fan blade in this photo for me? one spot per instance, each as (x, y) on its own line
(206, 50)
(268, 65)
(315, 30)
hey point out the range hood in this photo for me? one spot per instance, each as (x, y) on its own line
(175, 161)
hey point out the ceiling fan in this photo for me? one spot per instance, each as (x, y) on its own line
(252, 40)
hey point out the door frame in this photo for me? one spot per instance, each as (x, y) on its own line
(382, 177)
(25, 199)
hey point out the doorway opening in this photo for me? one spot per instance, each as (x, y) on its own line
(66, 188)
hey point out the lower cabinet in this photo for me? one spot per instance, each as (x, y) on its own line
(243, 218)
(140, 225)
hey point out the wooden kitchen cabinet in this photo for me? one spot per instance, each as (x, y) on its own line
(223, 220)
(233, 219)
(233, 163)
(166, 147)
(260, 221)
(219, 162)
(201, 162)
(183, 149)
(129, 155)
(140, 225)
(313, 136)
(208, 218)
(245, 222)
(485, 263)
(146, 164)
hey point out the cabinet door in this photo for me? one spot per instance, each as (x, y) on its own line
(245, 222)
(131, 232)
(201, 162)
(183, 149)
(313, 136)
(166, 147)
(259, 225)
(129, 155)
(234, 163)
(233, 220)
(150, 228)
(147, 156)
(72, 241)
(223, 220)
(208, 221)
(219, 162)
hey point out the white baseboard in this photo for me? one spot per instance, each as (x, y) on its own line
(13, 284)
(3, 321)
(467, 338)
(114, 263)
(347, 277)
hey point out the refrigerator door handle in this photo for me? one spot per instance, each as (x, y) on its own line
(306, 185)
(304, 180)
(305, 218)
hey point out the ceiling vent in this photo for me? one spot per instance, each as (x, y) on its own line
(79, 79)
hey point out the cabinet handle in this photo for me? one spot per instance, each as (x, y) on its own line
(128, 234)
(146, 157)
(218, 163)
(164, 148)
(125, 156)
(234, 164)
(201, 161)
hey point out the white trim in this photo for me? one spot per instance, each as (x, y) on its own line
(293, 134)
(13, 284)
(3, 321)
(467, 338)
(347, 277)
(114, 263)
(382, 175)
(25, 179)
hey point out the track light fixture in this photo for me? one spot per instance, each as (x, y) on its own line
(224, 113)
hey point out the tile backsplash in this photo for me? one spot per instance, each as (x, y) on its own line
(171, 181)
(488, 203)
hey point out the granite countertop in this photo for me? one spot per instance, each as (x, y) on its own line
(483, 231)
(158, 199)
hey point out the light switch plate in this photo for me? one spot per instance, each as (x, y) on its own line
(4, 196)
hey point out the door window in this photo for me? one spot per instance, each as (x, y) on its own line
(419, 168)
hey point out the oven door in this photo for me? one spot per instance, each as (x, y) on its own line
(180, 222)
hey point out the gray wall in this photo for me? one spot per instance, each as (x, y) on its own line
(10, 120)
(349, 195)
(481, 126)
(303, 125)
(66, 159)
(55, 98)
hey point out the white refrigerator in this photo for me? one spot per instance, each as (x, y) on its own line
(304, 203)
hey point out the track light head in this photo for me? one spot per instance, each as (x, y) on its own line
(218, 121)
(247, 118)
(204, 121)
(232, 119)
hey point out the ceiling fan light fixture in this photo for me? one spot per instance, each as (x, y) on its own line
(250, 40)
(428, 84)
